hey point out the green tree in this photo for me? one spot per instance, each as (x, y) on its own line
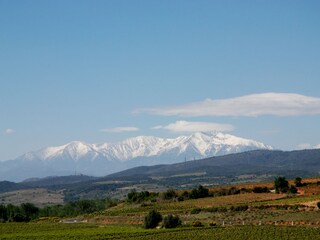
(29, 210)
(281, 185)
(200, 192)
(169, 194)
(293, 189)
(3, 213)
(152, 219)
(298, 182)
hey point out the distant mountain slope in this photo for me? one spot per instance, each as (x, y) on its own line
(6, 186)
(103, 159)
(56, 180)
(258, 165)
(303, 162)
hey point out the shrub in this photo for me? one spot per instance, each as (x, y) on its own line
(152, 219)
(169, 194)
(233, 191)
(197, 224)
(220, 192)
(180, 199)
(293, 189)
(135, 196)
(239, 208)
(222, 209)
(245, 190)
(195, 210)
(212, 209)
(260, 190)
(281, 185)
(212, 224)
(298, 182)
(200, 192)
(171, 221)
(185, 195)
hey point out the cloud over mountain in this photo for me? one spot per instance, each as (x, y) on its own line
(185, 126)
(277, 104)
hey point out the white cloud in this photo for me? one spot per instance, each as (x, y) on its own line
(278, 104)
(9, 131)
(184, 126)
(120, 129)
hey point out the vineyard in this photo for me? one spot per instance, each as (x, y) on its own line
(239, 215)
(170, 206)
(93, 231)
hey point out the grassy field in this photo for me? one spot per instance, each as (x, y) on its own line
(94, 231)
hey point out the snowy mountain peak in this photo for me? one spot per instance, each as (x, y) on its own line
(106, 158)
(200, 144)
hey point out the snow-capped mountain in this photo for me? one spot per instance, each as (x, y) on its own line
(106, 158)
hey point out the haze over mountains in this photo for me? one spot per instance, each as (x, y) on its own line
(106, 158)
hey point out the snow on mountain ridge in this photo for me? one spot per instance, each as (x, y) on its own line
(106, 158)
(202, 144)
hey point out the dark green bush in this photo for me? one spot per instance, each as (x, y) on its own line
(293, 189)
(298, 182)
(260, 190)
(152, 219)
(239, 208)
(281, 185)
(169, 194)
(180, 199)
(200, 192)
(137, 197)
(195, 211)
(171, 221)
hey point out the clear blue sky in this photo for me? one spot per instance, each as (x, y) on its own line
(102, 71)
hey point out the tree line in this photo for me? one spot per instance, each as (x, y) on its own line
(27, 211)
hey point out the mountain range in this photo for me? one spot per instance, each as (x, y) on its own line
(107, 158)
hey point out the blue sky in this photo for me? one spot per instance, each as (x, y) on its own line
(102, 71)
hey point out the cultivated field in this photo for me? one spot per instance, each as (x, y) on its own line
(245, 215)
(93, 231)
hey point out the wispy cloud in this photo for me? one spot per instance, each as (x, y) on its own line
(278, 104)
(120, 129)
(185, 126)
(9, 131)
